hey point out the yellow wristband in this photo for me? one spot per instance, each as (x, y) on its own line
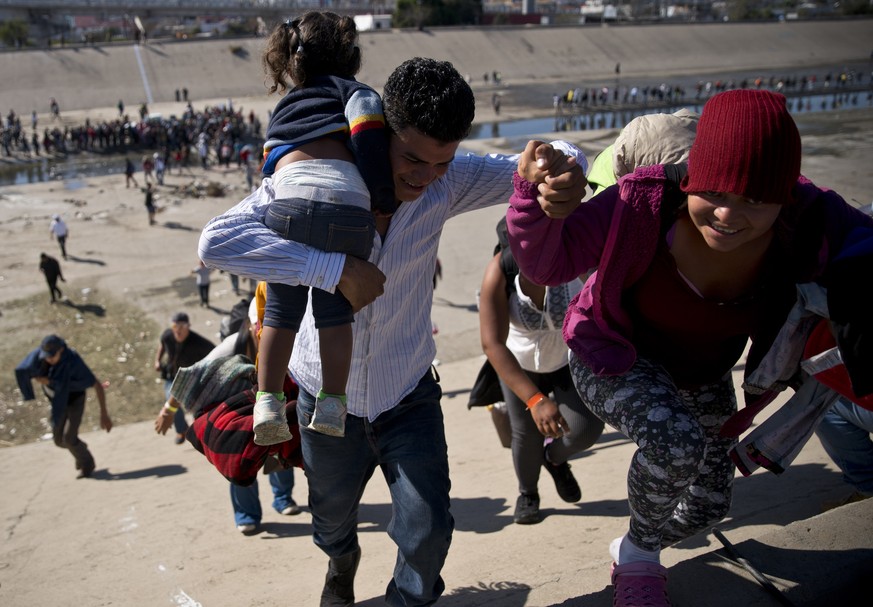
(170, 407)
(536, 399)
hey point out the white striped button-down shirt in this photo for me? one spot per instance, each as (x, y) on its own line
(393, 341)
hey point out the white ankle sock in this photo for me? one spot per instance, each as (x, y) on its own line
(623, 550)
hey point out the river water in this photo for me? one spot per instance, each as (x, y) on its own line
(75, 168)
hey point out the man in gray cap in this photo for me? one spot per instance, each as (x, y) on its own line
(179, 347)
(65, 379)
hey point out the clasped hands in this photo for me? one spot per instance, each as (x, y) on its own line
(560, 180)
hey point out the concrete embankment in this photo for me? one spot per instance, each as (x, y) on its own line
(88, 77)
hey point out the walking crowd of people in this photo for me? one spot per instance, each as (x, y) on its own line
(675, 93)
(629, 309)
(221, 130)
(584, 108)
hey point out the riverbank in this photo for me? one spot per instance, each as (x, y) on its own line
(502, 110)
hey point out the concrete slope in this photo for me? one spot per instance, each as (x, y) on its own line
(96, 77)
(154, 527)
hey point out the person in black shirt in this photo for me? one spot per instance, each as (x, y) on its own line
(179, 347)
(150, 203)
(52, 269)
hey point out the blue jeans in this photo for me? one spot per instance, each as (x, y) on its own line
(286, 306)
(326, 226)
(408, 443)
(247, 505)
(844, 432)
(330, 227)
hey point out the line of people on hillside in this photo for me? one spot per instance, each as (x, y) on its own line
(682, 264)
(674, 93)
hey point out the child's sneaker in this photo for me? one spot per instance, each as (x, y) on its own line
(269, 421)
(329, 416)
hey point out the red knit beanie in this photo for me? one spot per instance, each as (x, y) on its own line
(747, 144)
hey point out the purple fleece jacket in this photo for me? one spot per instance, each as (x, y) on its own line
(617, 233)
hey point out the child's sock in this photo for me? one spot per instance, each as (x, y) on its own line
(280, 396)
(323, 395)
(623, 550)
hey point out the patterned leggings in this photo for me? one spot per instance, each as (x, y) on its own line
(681, 476)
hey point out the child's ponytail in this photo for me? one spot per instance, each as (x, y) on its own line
(278, 54)
(316, 44)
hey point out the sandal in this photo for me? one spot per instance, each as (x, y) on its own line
(639, 584)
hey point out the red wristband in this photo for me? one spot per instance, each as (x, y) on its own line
(536, 399)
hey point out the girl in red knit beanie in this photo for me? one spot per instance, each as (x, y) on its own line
(689, 267)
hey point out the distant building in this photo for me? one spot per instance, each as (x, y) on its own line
(596, 10)
(372, 22)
